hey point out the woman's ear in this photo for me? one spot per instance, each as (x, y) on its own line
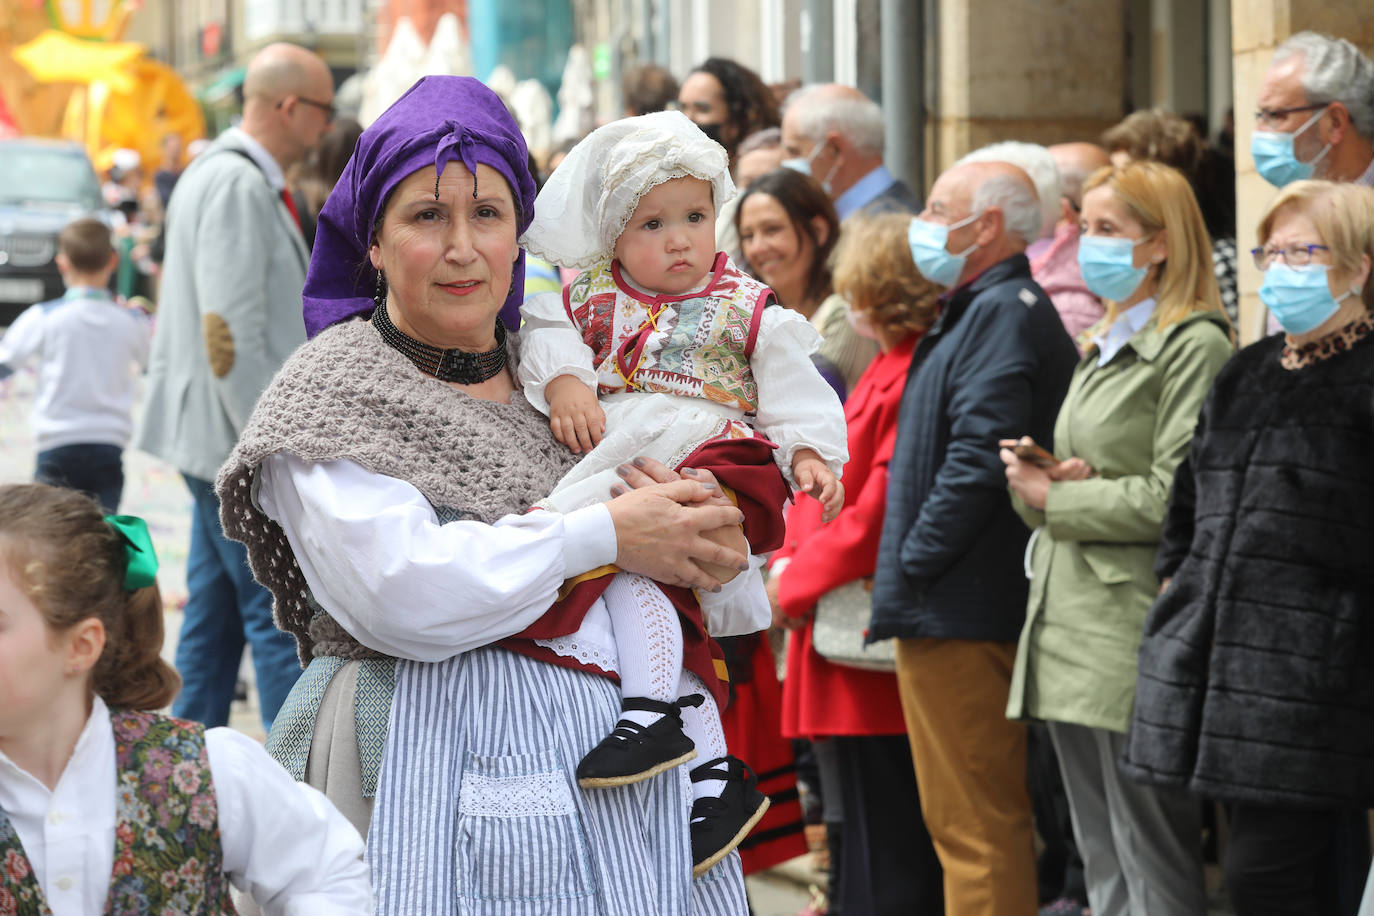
(374, 254)
(1362, 275)
(821, 230)
(1159, 247)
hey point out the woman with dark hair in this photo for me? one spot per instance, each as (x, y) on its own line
(788, 228)
(727, 101)
(320, 171)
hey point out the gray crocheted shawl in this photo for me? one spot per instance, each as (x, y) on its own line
(346, 394)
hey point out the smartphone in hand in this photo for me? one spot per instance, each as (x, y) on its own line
(1029, 452)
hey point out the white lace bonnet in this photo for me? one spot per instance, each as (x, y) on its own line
(584, 207)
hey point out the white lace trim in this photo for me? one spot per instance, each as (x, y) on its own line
(533, 795)
(586, 650)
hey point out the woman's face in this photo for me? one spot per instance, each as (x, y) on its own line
(448, 261)
(1104, 214)
(702, 98)
(1293, 228)
(776, 251)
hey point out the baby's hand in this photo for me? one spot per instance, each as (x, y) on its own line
(816, 480)
(576, 418)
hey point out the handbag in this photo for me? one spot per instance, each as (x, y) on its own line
(842, 616)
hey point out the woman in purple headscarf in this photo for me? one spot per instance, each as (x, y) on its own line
(380, 486)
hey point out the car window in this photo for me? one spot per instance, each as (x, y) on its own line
(39, 176)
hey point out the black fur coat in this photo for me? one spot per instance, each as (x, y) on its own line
(1257, 666)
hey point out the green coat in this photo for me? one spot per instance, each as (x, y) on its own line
(1092, 558)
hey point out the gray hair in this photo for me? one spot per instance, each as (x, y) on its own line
(1334, 70)
(819, 111)
(1017, 201)
(768, 138)
(1037, 162)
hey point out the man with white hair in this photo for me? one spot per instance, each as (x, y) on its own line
(835, 134)
(1037, 162)
(1315, 116)
(949, 584)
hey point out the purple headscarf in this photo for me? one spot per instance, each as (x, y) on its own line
(438, 120)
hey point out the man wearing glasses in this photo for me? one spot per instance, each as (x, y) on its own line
(230, 314)
(1316, 113)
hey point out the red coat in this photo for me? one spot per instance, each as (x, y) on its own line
(820, 699)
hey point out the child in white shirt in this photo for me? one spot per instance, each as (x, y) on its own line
(687, 354)
(103, 800)
(87, 347)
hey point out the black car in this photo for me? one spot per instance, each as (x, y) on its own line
(44, 185)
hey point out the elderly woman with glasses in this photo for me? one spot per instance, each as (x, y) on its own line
(1256, 685)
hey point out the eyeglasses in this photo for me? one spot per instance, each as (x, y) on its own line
(1268, 117)
(1295, 256)
(326, 107)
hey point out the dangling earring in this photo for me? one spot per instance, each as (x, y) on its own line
(379, 294)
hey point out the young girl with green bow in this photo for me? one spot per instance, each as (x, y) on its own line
(105, 804)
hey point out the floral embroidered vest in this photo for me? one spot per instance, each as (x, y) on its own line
(167, 848)
(697, 345)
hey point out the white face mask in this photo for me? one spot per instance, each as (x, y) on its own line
(860, 322)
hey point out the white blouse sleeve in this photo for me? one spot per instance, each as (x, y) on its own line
(377, 559)
(740, 607)
(550, 346)
(284, 843)
(797, 407)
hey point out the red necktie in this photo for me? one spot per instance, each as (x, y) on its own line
(290, 206)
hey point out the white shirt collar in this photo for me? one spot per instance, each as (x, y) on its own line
(259, 154)
(1126, 326)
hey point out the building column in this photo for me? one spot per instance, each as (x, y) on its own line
(1045, 73)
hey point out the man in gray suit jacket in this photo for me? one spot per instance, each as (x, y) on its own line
(229, 316)
(835, 134)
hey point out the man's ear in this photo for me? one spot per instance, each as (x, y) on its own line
(994, 225)
(1067, 213)
(1339, 123)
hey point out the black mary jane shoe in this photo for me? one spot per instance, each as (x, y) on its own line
(720, 824)
(632, 752)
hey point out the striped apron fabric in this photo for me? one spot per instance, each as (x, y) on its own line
(479, 814)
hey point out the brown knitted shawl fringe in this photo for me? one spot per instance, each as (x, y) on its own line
(347, 395)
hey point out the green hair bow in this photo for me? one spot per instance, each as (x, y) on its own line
(141, 559)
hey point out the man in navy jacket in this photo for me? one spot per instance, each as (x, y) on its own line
(949, 584)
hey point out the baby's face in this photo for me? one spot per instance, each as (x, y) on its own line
(669, 244)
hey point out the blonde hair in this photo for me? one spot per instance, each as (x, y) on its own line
(1160, 198)
(70, 564)
(1344, 216)
(873, 270)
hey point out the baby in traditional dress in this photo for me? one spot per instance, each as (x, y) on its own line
(695, 365)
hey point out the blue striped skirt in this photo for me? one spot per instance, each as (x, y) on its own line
(478, 811)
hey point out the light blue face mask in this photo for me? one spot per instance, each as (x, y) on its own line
(928, 240)
(803, 164)
(1301, 300)
(1108, 266)
(1275, 159)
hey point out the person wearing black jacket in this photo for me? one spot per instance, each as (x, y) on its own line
(949, 584)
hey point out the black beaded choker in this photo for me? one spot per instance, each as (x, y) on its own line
(445, 365)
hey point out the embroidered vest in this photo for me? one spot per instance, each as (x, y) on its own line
(167, 845)
(696, 345)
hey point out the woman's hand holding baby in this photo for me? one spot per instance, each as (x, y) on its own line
(814, 478)
(575, 417)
